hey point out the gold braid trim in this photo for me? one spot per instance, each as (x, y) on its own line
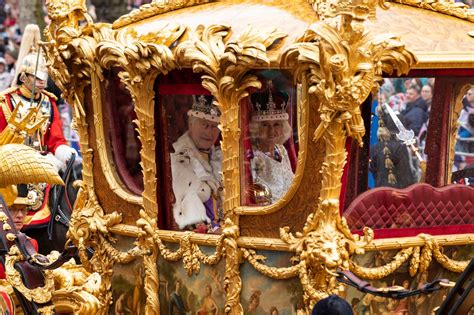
(415, 261)
(310, 293)
(382, 271)
(442, 259)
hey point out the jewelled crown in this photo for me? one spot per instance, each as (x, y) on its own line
(203, 107)
(269, 105)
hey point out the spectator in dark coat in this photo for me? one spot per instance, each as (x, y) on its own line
(415, 113)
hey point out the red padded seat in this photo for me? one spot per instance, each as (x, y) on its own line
(420, 205)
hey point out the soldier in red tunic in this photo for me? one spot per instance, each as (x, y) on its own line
(31, 77)
(28, 101)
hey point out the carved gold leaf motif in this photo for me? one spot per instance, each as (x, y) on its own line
(339, 63)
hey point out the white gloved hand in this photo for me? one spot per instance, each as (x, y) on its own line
(64, 152)
(57, 163)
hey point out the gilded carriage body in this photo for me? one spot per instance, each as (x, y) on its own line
(131, 85)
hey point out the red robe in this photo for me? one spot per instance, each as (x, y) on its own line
(53, 137)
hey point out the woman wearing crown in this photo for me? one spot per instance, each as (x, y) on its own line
(269, 129)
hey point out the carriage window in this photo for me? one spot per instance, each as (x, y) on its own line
(122, 131)
(269, 139)
(398, 196)
(398, 132)
(463, 166)
(192, 142)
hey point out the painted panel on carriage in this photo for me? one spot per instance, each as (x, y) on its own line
(262, 295)
(201, 293)
(365, 304)
(204, 293)
(127, 283)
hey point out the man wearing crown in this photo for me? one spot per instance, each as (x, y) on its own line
(196, 169)
(28, 114)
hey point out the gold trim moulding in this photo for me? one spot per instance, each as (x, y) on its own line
(205, 239)
(405, 242)
(450, 60)
(278, 245)
(105, 156)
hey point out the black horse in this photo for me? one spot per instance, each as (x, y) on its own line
(61, 201)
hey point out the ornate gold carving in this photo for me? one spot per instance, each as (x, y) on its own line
(147, 240)
(329, 9)
(154, 8)
(382, 271)
(457, 9)
(433, 250)
(20, 163)
(418, 263)
(38, 295)
(89, 227)
(257, 261)
(225, 65)
(136, 56)
(342, 65)
(70, 54)
(416, 241)
(140, 59)
(232, 281)
(76, 290)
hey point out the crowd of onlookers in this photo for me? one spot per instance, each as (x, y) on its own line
(393, 163)
(410, 99)
(464, 157)
(10, 38)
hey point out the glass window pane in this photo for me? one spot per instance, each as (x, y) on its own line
(193, 144)
(269, 139)
(122, 131)
(399, 128)
(463, 167)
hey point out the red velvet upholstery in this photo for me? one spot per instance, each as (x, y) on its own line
(420, 205)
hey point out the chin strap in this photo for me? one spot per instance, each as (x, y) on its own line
(393, 292)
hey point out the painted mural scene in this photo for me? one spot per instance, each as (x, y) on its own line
(214, 157)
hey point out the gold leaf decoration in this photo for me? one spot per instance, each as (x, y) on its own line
(225, 66)
(21, 164)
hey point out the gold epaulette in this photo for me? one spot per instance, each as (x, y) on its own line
(50, 95)
(7, 91)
